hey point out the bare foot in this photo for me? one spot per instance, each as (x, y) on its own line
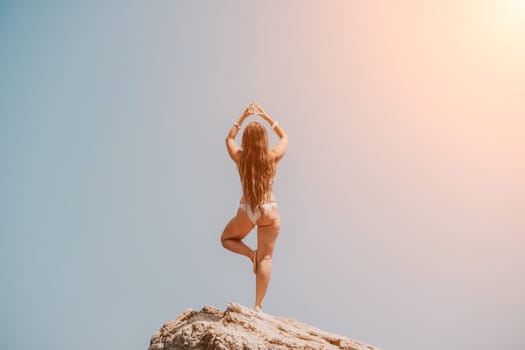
(254, 261)
(257, 308)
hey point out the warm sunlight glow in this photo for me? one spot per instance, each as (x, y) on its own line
(518, 7)
(492, 35)
(509, 30)
(511, 13)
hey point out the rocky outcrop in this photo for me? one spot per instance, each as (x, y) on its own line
(242, 328)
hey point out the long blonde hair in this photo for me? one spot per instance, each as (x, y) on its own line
(256, 166)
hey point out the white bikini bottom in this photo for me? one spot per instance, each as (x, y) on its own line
(255, 215)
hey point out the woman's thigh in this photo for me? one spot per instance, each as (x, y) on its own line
(269, 225)
(238, 227)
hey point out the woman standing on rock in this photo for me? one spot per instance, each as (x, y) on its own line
(257, 165)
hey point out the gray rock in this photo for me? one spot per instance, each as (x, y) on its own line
(242, 328)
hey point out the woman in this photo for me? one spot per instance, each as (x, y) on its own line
(257, 165)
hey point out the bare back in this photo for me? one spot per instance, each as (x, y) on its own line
(272, 195)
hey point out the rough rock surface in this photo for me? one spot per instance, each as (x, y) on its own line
(242, 328)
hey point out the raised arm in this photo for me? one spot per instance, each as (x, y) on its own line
(233, 150)
(282, 145)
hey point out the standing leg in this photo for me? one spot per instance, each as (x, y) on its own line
(267, 235)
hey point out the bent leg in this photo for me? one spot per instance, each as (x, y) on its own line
(235, 231)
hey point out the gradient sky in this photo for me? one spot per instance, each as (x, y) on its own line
(401, 195)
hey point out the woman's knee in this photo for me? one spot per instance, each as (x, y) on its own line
(266, 257)
(273, 226)
(223, 241)
(226, 235)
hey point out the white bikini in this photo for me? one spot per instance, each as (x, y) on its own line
(254, 215)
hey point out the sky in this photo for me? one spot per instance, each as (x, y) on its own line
(401, 194)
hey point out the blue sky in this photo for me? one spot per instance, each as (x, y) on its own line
(400, 195)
